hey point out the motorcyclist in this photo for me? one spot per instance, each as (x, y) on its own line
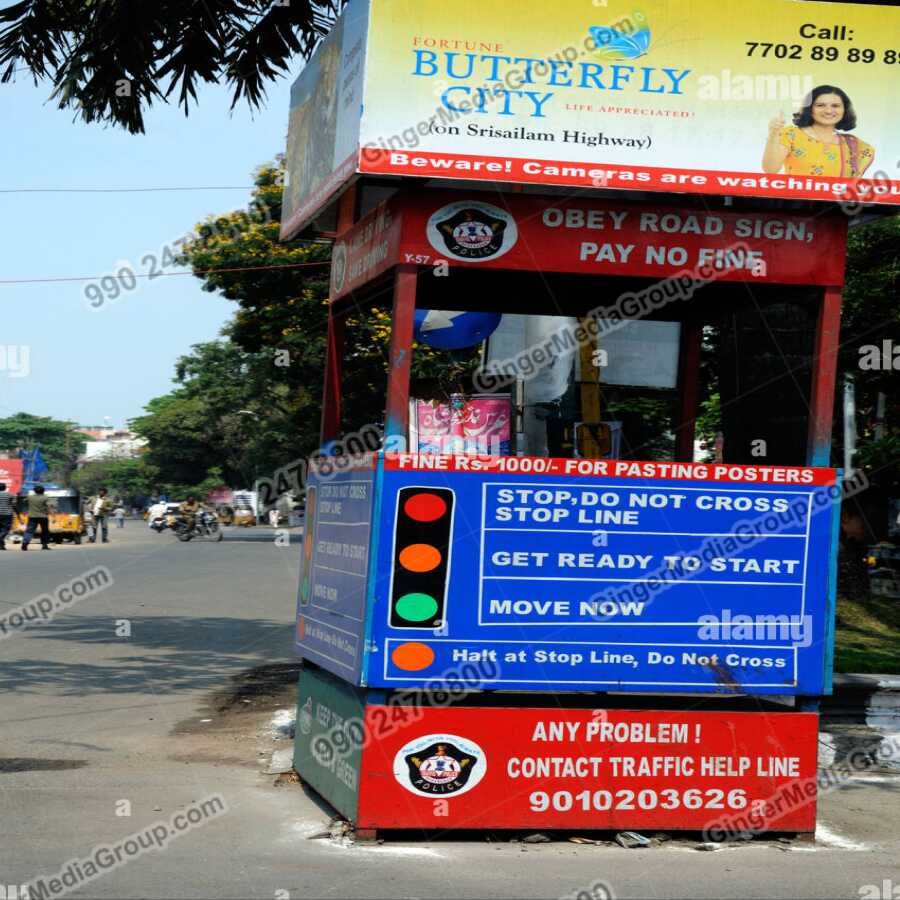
(190, 509)
(156, 511)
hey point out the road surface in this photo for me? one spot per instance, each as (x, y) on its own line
(166, 687)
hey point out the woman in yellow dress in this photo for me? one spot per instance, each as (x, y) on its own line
(816, 143)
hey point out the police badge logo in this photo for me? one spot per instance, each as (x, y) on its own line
(304, 719)
(338, 267)
(472, 231)
(439, 765)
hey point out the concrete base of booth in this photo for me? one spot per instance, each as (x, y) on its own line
(514, 761)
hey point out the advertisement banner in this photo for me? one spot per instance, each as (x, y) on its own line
(573, 574)
(11, 474)
(774, 98)
(769, 99)
(590, 237)
(323, 129)
(719, 773)
(479, 424)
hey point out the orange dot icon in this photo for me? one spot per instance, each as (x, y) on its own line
(420, 557)
(412, 657)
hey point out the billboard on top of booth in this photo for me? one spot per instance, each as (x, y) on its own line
(323, 129)
(771, 99)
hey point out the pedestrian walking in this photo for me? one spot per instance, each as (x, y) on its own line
(39, 509)
(100, 508)
(7, 511)
(120, 516)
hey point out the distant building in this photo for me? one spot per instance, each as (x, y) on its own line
(97, 432)
(110, 443)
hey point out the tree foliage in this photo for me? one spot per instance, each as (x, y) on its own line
(127, 479)
(229, 414)
(250, 403)
(870, 317)
(111, 59)
(60, 444)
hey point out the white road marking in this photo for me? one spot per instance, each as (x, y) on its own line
(386, 850)
(305, 827)
(829, 838)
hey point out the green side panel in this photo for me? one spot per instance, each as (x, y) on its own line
(327, 744)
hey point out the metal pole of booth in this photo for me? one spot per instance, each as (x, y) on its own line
(402, 322)
(821, 401)
(331, 392)
(330, 429)
(689, 390)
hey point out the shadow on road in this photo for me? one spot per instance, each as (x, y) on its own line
(162, 655)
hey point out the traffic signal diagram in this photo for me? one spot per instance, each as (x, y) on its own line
(423, 534)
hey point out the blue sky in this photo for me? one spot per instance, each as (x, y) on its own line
(87, 364)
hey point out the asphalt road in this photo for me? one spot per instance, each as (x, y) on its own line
(122, 710)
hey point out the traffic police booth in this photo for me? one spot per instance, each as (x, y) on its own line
(536, 631)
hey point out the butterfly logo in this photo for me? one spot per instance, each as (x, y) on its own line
(628, 41)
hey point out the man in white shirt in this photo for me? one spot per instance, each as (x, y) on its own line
(100, 507)
(156, 511)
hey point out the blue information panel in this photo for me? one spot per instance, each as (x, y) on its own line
(334, 571)
(594, 575)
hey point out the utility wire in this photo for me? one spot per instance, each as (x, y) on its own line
(161, 274)
(122, 190)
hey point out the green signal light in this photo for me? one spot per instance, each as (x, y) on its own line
(416, 607)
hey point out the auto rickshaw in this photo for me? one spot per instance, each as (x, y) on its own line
(225, 514)
(244, 516)
(66, 523)
(883, 560)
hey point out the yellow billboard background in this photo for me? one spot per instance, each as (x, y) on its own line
(692, 85)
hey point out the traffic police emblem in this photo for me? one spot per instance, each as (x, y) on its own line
(439, 765)
(472, 231)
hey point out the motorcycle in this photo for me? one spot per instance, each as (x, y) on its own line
(158, 524)
(206, 527)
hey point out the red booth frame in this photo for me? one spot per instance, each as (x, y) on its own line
(404, 298)
(378, 803)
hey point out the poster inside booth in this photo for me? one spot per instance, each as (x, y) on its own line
(518, 573)
(774, 98)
